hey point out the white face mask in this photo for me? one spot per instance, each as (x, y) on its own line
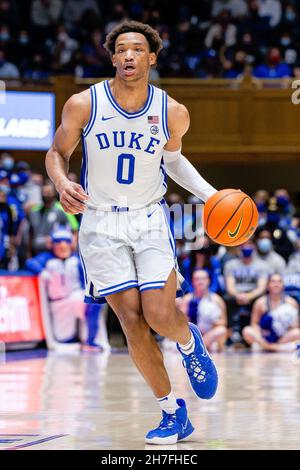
(264, 245)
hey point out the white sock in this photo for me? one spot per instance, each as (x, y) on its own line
(168, 403)
(189, 347)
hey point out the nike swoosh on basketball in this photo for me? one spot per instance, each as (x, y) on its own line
(237, 229)
(107, 118)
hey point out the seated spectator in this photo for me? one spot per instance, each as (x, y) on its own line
(292, 273)
(261, 199)
(223, 32)
(207, 310)
(96, 61)
(62, 51)
(270, 10)
(7, 69)
(266, 252)
(245, 280)
(6, 224)
(74, 10)
(45, 15)
(202, 258)
(274, 67)
(236, 8)
(43, 218)
(62, 273)
(274, 320)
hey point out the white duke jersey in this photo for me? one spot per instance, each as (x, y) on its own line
(122, 152)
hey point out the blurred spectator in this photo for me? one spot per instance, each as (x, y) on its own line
(207, 310)
(96, 61)
(43, 218)
(223, 32)
(274, 66)
(266, 252)
(245, 280)
(236, 8)
(45, 15)
(274, 320)
(62, 274)
(118, 14)
(62, 51)
(74, 10)
(202, 258)
(7, 69)
(36, 68)
(261, 199)
(270, 10)
(6, 224)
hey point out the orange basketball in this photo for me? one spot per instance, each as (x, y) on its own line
(230, 217)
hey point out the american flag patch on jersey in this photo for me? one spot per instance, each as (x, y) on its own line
(153, 120)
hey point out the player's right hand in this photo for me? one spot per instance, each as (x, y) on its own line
(73, 198)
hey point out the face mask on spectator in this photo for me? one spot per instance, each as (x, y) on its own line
(4, 189)
(282, 202)
(247, 252)
(261, 207)
(23, 40)
(4, 37)
(7, 163)
(290, 15)
(264, 245)
(285, 41)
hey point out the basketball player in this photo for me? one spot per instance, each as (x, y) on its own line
(131, 135)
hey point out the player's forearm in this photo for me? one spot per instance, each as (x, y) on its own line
(186, 175)
(57, 167)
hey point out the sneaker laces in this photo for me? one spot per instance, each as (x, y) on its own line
(168, 420)
(194, 368)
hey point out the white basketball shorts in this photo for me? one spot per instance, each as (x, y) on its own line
(126, 249)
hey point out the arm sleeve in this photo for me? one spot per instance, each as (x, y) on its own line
(184, 174)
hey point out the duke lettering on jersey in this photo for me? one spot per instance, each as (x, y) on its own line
(133, 141)
(122, 152)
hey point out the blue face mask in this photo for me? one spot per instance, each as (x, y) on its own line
(8, 163)
(23, 177)
(247, 252)
(290, 15)
(285, 41)
(282, 201)
(4, 37)
(264, 245)
(261, 207)
(4, 189)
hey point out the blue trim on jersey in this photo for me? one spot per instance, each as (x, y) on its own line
(162, 167)
(84, 165)
(165, 114)
(84, 268)
(121, 110)
(93, 112)
(153, 282)
(125, 285)
(171, 234)
(152, 288)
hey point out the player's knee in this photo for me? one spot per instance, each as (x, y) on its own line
(158, 318)
(132, 323)
(221, 330)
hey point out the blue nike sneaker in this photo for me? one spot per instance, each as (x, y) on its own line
(172, 428)
(200, 367)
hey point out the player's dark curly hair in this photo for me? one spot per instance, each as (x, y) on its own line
(130, 26)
